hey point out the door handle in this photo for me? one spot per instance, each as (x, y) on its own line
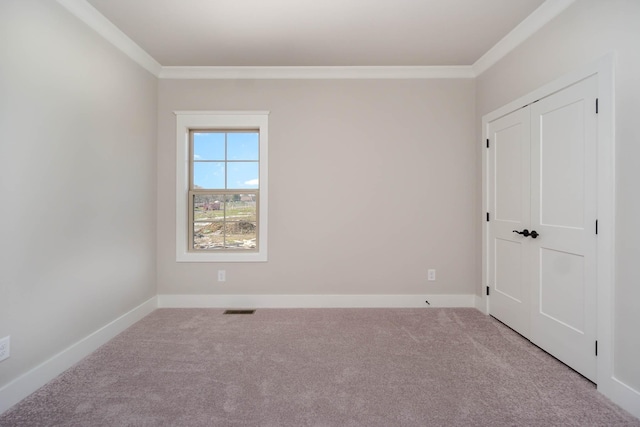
(527, 233)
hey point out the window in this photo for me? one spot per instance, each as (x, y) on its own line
(221, 192)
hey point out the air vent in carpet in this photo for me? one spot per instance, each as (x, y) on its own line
(239, 312)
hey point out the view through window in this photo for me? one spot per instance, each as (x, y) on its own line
(224, 190)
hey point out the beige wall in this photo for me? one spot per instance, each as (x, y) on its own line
(371, 183)
(77, 180)
(585, 32)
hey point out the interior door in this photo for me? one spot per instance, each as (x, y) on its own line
(509, 205)
(542, 179)
(563, 211)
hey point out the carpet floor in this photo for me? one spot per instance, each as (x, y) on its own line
(318, 367)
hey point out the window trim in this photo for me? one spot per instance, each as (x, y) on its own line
(223, 120)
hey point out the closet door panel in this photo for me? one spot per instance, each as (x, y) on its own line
(563, 212)
(509, 201)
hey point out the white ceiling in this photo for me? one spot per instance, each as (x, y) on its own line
(274, 33)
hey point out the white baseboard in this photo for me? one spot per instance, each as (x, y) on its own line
(314, 301)
(621, 394)
(24, 385)
(481, 304)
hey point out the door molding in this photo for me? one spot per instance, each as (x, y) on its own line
(604, 70)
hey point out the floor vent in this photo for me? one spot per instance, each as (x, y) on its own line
(239, 312)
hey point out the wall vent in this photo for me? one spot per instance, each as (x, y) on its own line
(239, 312)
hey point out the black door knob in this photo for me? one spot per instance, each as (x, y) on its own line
(527, 233)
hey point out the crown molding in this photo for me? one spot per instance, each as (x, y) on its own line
(95, 20)
(532, 23)
(382, 72)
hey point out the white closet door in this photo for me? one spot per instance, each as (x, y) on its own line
(542, 179)
(563, 211)
(509, 205)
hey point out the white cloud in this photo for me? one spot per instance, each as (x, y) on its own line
(196, 157)
(252, 182)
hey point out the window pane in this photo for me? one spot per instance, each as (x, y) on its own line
(241, 229)
(208, 216)
(224, 221)
(242, 146)
(241, 235)
(208, 146)
(208, 235)
(208, 175)
(207, 207)
(242, 175)
(241, 207)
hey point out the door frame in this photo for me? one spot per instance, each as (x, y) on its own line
(604, 70)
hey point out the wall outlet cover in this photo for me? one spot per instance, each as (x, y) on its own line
(5, 349)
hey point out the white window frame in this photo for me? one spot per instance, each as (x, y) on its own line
(187, 121)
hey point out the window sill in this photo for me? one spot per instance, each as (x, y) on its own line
(220, 257)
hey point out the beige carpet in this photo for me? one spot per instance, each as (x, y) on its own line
(318, 367)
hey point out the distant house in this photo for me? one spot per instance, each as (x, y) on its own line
(213, 206)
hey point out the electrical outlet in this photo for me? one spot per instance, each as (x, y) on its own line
(4, 348)
(431, 275)
(222, 276)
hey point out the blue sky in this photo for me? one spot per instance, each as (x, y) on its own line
(241, 157)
